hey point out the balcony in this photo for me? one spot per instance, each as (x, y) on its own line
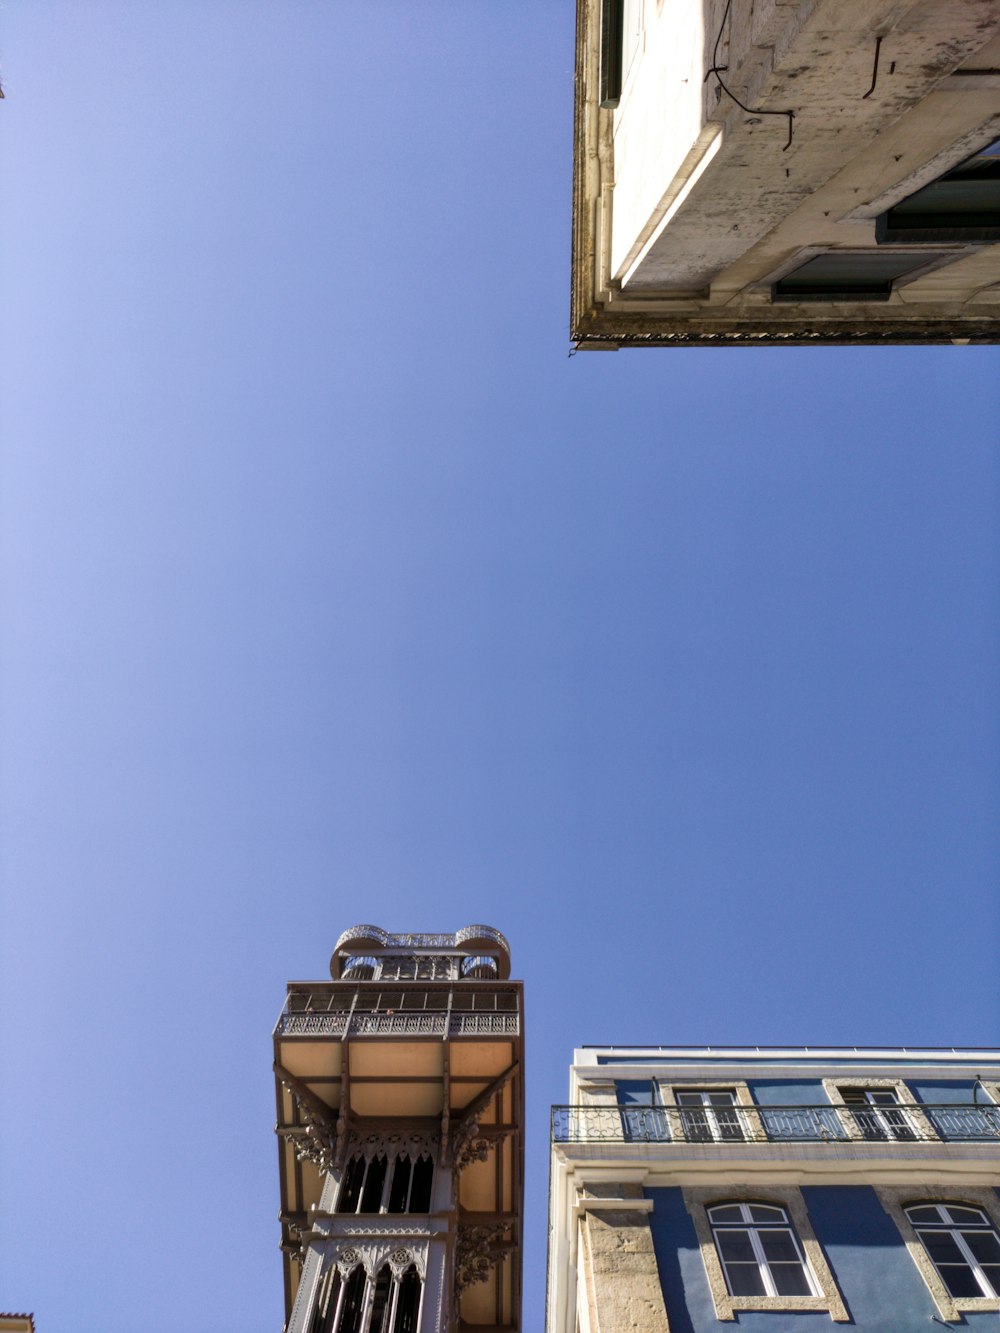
(905, 1122)
(343, 1013)
(385, 940)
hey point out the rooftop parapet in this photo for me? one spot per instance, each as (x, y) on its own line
(367, 952)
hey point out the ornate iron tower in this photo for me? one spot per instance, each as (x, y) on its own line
(400, 1101)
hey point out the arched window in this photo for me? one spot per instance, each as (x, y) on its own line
(407, 1302)
(759, 1251)
(381, 1301)
(963, 1245)
(351, 1308)
(325, 1310)
(382, 1304)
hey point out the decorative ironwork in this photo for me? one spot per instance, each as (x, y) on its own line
(477, 1250)
(468, 1143)
(377, 1025)
(315, 1140)
(400, 1260)
(388, 1228)
(484, 1025)
(964, 1123)
(422, 941)
(371, 1250)
(312, 1025)
(418, 941)
(407, 1023)
(418, 967)
(481, 965)
(392, 1144)
(361, 933)
(766, 1124)
(482, 933)
(474, 1150)
(347, 1260)
(360, 966)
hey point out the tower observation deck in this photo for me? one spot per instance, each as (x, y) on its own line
(400, 1102)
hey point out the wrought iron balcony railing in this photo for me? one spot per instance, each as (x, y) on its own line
(410, 941)
(902, 1122)
(363, 1024)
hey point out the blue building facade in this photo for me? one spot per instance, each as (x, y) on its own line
(777, 1189)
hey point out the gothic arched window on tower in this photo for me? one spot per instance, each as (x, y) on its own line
(382, 1304)
(381, 1301)
(407, 1302)
(352, 1306)
(325, 1310)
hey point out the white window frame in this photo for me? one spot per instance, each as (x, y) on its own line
(895, 1199)
(751, 1226)
(874, 1101)
(955, 1230)
(699, 1199)
(743, 1104)
(708, 1113)
(912, 1115)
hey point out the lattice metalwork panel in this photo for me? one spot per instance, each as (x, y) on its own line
(773, 1124)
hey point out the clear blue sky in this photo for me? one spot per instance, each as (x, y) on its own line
(335, 591)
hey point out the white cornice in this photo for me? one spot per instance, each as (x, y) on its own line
(590, 1055)
(743, 1067)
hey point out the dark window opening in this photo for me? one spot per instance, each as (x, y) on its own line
(371, 1195)
(350, 1189)
(612, 42)
(407, 1303)
(381, 1302)
(866, 275)
(326, 1307)
(354, 1302)
(410, 1191)
(399, 1191)
(420, 1188)
(961, 205)
(364, 1186)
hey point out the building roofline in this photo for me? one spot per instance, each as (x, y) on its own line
(812, 1052)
